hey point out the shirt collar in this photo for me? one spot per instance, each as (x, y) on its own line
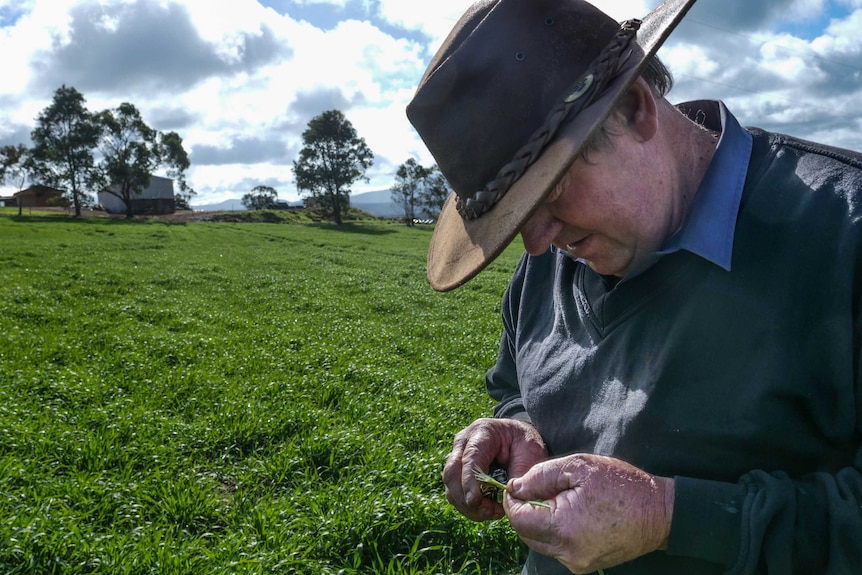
(709, 228)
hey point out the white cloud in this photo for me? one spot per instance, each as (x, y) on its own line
(240, 83)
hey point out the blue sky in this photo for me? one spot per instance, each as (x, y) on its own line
(240, 80)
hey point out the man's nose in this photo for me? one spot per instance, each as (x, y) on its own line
(539, 233)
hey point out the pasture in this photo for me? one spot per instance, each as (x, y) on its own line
(237, 398)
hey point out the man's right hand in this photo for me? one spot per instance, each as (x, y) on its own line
(514, 445)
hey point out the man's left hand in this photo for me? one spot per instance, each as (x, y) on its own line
(603, 511)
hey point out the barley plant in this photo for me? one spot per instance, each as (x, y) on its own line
(237, 398)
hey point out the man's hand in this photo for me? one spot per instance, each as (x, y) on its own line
(604, 511)
(515, 445)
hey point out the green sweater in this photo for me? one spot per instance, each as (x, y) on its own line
(743, 385)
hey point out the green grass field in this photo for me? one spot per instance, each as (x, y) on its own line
(237, 398)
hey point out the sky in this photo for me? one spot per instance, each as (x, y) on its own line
(239, 80)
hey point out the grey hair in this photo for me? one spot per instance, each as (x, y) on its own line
(659, 79)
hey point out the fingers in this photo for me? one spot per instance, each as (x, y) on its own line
(507, 442)
(603, 511)
(473, 447)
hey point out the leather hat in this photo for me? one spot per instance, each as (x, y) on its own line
(507, 104)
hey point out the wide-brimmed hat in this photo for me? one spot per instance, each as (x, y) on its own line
(506, 106)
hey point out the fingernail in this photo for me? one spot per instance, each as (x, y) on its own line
(470, 498)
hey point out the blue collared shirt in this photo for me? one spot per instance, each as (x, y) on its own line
(709, 228)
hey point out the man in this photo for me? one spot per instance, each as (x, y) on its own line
(678, 377)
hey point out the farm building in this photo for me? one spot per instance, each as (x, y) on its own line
(39, 196)
(157, 199)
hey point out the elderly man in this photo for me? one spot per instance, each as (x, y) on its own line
(677, 383)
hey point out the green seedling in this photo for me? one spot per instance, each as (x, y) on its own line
(494, 488)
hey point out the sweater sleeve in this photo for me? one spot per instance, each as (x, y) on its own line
(502, 384)
(811, 523)
(774, 522)
(501, 380)
(771, 523)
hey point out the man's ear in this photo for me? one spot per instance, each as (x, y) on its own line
(638, 111)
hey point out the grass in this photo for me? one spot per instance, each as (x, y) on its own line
(237, 398)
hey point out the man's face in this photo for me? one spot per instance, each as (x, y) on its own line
(611, 209)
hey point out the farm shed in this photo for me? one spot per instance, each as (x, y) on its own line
(39, 196)
(157, 199)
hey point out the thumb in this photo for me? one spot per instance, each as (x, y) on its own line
(545, 480)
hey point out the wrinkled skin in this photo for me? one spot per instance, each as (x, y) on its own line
(515, 445)
(604, 511)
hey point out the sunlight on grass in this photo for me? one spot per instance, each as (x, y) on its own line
(237, 398)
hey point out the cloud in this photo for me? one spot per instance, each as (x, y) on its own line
(239, 82)
(144, 46)
(240, 150)
(310, 103)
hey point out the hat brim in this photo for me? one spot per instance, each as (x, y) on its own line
(461, 248)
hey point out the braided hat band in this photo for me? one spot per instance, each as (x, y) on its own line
(580, 95)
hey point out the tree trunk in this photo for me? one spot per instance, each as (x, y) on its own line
(336, 208)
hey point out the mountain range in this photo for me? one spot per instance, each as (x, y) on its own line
(378, 203)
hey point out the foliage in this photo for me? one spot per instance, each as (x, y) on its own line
(417, 187)
(131, 151)
(237, 398)
(129, 154)
(176, 160)
(260, 198)
(67, 138)
(433, 194)
(64, 138)
(14, 164)
(332, 158)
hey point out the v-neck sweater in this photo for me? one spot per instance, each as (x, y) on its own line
(743, 385)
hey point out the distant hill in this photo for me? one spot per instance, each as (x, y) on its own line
(225, 206)
(378, 203)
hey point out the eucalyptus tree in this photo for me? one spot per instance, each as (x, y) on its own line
(405, 191)
(332, 158)
(64, 139)
(260, 198)
(131, 151)
(14, 165)
(419, 189)
(434, 192)
(176, 162)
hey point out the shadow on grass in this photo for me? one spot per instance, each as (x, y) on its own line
(100, 220)
(362, 228)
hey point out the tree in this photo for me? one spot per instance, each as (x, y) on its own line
(418, 188)
(15, 166)
(409, 180)
(260, 198)
(129, 154)
(14, 162)
(131, 151)
(177, 162)
(433, 194)
(332, 158)
(65, 136)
